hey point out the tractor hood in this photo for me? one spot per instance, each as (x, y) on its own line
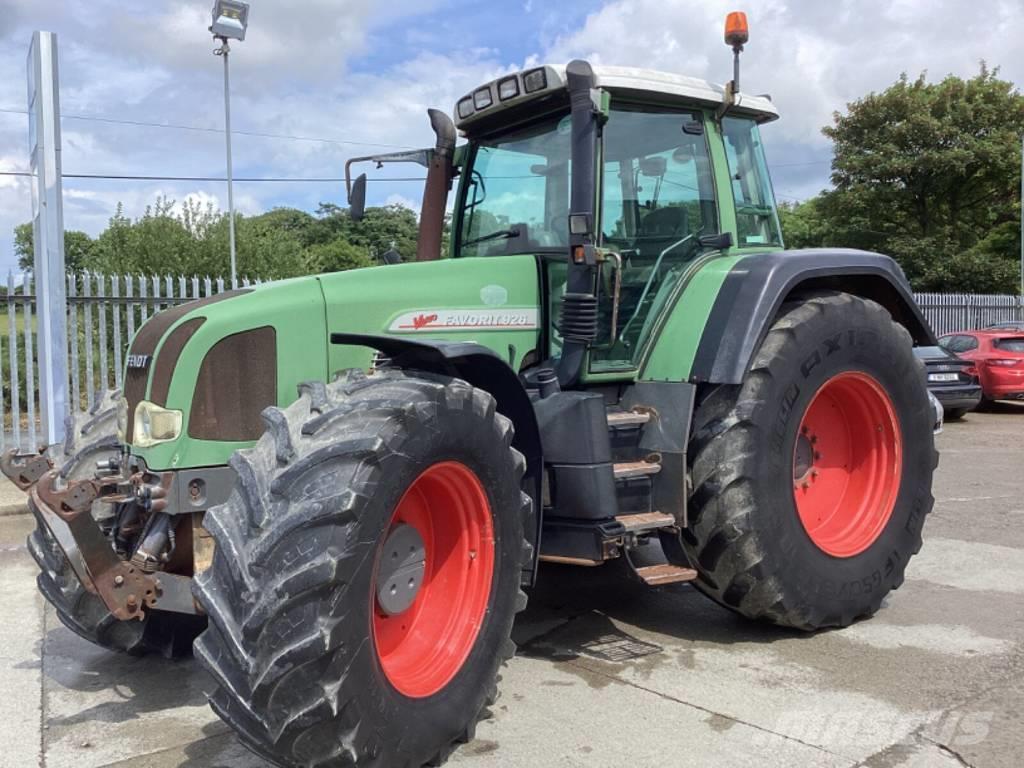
(199, 375)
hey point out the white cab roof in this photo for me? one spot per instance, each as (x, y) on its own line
(644, 84)
(637, 80)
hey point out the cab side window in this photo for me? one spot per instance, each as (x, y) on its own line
(757, 222)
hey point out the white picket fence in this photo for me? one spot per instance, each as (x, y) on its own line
(104, 312)
(103, 315)
(948, 312)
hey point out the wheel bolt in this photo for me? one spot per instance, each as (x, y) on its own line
(817, 455)
(118, 580)
(814, 439)
(814, 473)
(805, 485)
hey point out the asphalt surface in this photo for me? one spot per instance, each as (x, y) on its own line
(611, 673)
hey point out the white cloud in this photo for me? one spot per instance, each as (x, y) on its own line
(813, 57)
(408, 202)
(367, 74)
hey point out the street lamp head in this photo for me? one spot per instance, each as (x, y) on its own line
(230, 18)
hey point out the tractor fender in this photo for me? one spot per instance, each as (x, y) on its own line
(482, 368)
(757, 285)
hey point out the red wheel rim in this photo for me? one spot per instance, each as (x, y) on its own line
(424, 647)
(847, 464)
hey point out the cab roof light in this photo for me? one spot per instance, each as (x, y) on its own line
(465, 107)
(482, 98)
(535, 80)
(737, 33)
(508, 88)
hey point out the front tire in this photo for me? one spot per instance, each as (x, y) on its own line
(314, 663)
(91, 437)
(813, 477)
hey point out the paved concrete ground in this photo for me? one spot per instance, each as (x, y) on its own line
(935, 680)
(12, 501)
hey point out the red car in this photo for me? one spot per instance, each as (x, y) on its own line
(999, 357)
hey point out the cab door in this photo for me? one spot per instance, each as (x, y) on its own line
(657, 200)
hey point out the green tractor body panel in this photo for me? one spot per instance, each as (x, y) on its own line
(293, 308)
(670, 352)
(491, 301)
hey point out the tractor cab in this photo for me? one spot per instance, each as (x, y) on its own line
(630, 178)
(672, 181)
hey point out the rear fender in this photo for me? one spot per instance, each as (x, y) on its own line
(483, 369)
(758, 285)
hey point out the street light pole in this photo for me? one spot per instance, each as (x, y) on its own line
(223, 51)
(230, 19)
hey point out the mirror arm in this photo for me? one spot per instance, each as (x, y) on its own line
(418, 156)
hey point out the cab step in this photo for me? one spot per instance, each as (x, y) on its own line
(623, 419)
(665, 573)
(627, 470)
(645, 521)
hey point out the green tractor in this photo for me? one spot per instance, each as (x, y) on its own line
(616, 361)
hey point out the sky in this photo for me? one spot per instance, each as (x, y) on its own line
(358, 76)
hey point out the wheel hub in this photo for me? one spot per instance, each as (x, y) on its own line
(803, 457)
(432, 585)
(847, 461)
(400, 574)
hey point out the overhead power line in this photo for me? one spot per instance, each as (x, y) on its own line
(271, 179)
(202, 129)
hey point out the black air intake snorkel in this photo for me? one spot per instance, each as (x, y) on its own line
(578, 320)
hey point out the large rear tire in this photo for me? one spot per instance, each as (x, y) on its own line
(812, 479)
(91, 437)
(314, 665)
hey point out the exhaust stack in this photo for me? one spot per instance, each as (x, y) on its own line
(435, 190)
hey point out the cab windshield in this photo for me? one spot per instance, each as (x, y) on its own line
(516, 199)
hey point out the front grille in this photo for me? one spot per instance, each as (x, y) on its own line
(134, 393)
(237, 380)
(144, 345)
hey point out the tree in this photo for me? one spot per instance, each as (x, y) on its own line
(930, 173)
(335, 256)
(78, 248)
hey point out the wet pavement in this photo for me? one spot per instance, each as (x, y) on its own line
(611, 673)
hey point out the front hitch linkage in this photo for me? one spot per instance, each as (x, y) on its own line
(24, 469)
(125, 590)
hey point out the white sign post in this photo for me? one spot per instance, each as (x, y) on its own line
(48, 234)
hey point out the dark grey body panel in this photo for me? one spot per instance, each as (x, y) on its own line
(757, 286)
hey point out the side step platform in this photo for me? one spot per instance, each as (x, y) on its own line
(657, 574)
(665, 573)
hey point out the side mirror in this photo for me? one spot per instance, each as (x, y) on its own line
(718, 241)
(357, 198)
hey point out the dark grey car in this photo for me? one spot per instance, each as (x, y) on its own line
(953, 380)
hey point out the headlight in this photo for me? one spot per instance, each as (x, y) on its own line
(122, 420)
(154, 424)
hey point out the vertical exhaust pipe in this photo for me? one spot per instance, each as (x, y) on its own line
(435, 190)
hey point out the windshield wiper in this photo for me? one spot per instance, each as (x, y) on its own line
(506, 234)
